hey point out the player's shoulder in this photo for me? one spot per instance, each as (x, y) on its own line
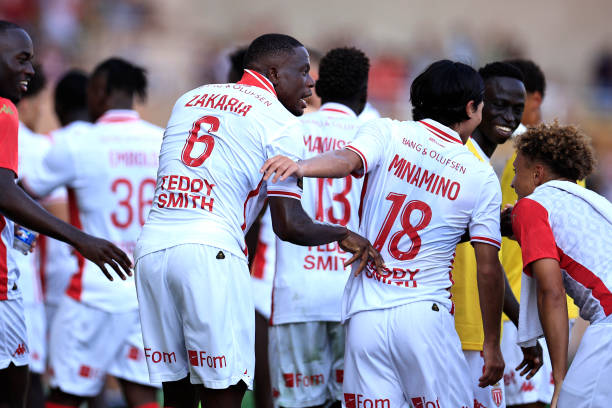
(8, 111)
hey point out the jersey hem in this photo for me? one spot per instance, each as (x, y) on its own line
(157, 248)
(301, 319)
(443, 302)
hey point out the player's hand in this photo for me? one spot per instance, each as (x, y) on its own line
(505, 222)
(493, 369)
(100, 252)
(362, 250)
(532, 360)
(281, 167)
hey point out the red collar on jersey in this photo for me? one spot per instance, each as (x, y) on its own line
(254, 78)
(118, 115)
(337, 108)
(436, 130)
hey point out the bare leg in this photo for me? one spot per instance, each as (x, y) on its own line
(263, 389)
(180, 394)
(36, 396)
(226, 398)
(137, 394)
(13, 386)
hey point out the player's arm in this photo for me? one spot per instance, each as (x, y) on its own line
(291, 223)
(332, 164)
(532, 356)
(19, 207)
(552, 309)
(491, 294)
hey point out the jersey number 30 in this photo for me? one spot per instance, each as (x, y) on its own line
(412, 231)
(206, 138)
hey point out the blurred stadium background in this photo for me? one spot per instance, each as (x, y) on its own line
(185, 43)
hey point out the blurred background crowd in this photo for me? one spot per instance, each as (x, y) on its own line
(186, 43)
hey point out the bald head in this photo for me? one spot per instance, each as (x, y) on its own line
(16, 54)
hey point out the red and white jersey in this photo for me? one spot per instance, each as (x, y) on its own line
(309, 281)
(554, 222)
(32, 149)
(262, 269)
(58, 260)
(110, 174)
(9, 130)
(422, 189)
(209, 189)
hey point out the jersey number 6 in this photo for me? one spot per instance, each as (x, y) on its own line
(206, 138)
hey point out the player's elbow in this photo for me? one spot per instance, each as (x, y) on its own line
(288, 230)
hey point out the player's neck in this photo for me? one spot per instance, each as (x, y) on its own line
(80, 115)
(486, 145)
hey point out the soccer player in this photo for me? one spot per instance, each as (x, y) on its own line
(32, 147)
(423, 188)
(306, 337)
(537, 391)
(110, 172)
(16, 70)
(192, 277)
(70, 104)
(565, 234)
(504, 99)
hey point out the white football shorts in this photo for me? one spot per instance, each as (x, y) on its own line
(37, 335)
(587, 382)
(492, 396)
(87, 343)
(518, 389)
(306, 363)
(197, 315)
(14, 346)
(405, 356)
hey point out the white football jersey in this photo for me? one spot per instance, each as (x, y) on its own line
(422, 189)
(309, 281)
(110, 174)
(555, 223)
(209, 189)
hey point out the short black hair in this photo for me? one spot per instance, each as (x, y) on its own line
(269, 45)
(123, 75)
(7, 25)
(343, 74)
(534, 77)
(442, 91)
(37, 82)
(500, 69)
(236, 64)
(71, 91)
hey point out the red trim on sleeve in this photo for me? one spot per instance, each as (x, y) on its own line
(275, 193)
(588, 279)
(9, 131)
(3, 263)
(252, 193)
(487, 241)
(363, 159)
(533, 232)
(75, 287)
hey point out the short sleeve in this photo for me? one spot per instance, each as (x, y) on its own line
(484, 224)
(532, 231)
(289, 142)
(56, 169)
(369, 144)
(9, 131)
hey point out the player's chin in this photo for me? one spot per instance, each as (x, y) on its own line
(297, 110)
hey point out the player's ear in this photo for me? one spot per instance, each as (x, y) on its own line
(470, 109)
(539, 174)
(272, 75)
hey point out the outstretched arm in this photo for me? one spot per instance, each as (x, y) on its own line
(333, 164)
(291, 223)
(19, 207)
(491, 293)
(552, 308)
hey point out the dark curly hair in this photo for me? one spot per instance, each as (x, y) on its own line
(269, 45)
(565, 149)
(343, 74)
(534, 77)
(500, 69)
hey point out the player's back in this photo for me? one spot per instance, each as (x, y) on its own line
(582, 242)
(217, 139)
(309, 281)
(423, 191)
